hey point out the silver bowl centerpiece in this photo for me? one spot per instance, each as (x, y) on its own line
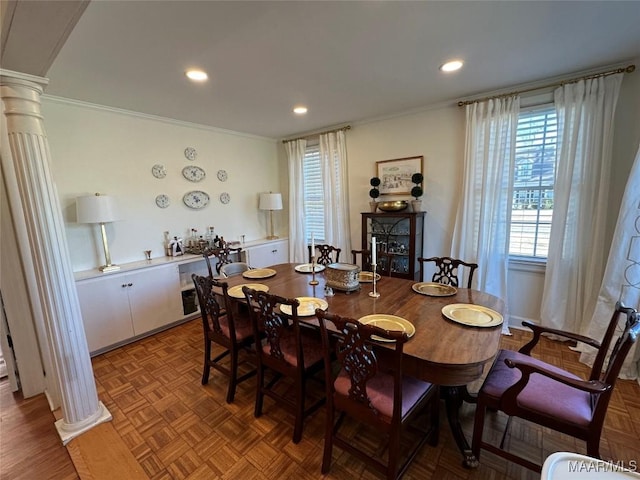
(394, 206)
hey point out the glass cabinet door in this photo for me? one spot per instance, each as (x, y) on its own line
(397, 235)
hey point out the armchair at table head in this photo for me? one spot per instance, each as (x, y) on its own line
(447, 270)
(232, 331)
(325, 251)
(528, 388)
(370, 387)
(223, 255)
(289, 350)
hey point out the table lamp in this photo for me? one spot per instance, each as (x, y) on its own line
(270, 201)
(99, 209)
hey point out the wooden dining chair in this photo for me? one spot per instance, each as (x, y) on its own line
(221, 326)
(525, 387)
(289, 351)
(447, 270)
(223, 256)
(325, 253)
(373, 391)
(365, 258)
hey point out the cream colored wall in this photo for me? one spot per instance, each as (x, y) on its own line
(112, 152)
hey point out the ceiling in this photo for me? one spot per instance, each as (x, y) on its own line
(346, 61)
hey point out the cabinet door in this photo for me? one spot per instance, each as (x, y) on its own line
(104, 303)
(155, 298)
(268, 254)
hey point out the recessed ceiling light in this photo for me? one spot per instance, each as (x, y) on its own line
(197, 75)
(451, 66)
(300, 110)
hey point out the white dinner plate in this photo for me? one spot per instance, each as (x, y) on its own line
(307, 306)
(433, 289)
(306, 268)
(367, 277)
(236, 292)
(472, 315)
(259, 273)
(388, 322)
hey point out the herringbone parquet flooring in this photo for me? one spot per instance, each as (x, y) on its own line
(178, 429)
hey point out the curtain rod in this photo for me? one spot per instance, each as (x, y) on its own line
(346, 127)
(627, 69)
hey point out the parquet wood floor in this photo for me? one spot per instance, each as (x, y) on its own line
(178, 429)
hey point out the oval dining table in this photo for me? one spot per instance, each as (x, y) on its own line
(441, 351)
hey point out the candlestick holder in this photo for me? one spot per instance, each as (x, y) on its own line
(374, 294)
(313, 280)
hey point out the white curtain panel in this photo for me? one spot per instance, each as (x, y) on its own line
(622, 274)
(333, 161)
(481, 232)
(297, 238)
(576, 259)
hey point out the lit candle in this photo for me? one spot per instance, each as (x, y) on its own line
(373, 250)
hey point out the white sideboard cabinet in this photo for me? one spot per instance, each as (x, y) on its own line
(266, 254)
(118, 307)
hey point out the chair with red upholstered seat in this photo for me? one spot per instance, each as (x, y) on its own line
(525, 387)
(369, 387)
(289, 350)
(222, 327)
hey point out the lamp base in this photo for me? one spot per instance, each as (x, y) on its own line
(272, 237)
(109, 268)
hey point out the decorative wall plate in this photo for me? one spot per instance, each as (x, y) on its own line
(225, 198)
(222, 175)
(196, 199)
(162, 200)
(193, 173)
(190, 153)
(158, 171)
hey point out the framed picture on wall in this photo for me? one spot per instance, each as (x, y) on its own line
(395, 175)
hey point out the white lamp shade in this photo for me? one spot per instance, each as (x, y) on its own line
(270, 201)
(96, 209)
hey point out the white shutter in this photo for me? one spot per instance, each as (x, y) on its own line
(313, 195)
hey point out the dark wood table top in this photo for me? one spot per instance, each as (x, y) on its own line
(441, 351)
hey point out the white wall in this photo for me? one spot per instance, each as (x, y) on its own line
(109, 151)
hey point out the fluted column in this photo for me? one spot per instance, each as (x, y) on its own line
(54, 286)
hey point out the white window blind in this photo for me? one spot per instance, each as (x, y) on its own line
(534, 176)
(313, 195)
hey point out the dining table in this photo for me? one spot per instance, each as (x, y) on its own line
(443, 351)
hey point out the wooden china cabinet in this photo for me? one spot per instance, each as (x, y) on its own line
(399, 234)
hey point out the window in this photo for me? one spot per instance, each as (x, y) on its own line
(313, 194)
(534, 175)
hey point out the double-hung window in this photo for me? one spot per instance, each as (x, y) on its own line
(534, 175)
(313, 194)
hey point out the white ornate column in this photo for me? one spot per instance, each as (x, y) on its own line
(54, 286)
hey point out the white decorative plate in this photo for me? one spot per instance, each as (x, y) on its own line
(190, 153)
(222, 175)
(196, 199)
(472, 315)
(259, 273)
(162, 200)
(307, 306)
(388, 322)
(306, 268)
(225, 198)
(236, 292)
(434, 289)
(193, 173)
(158, 171)
(367, 277)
